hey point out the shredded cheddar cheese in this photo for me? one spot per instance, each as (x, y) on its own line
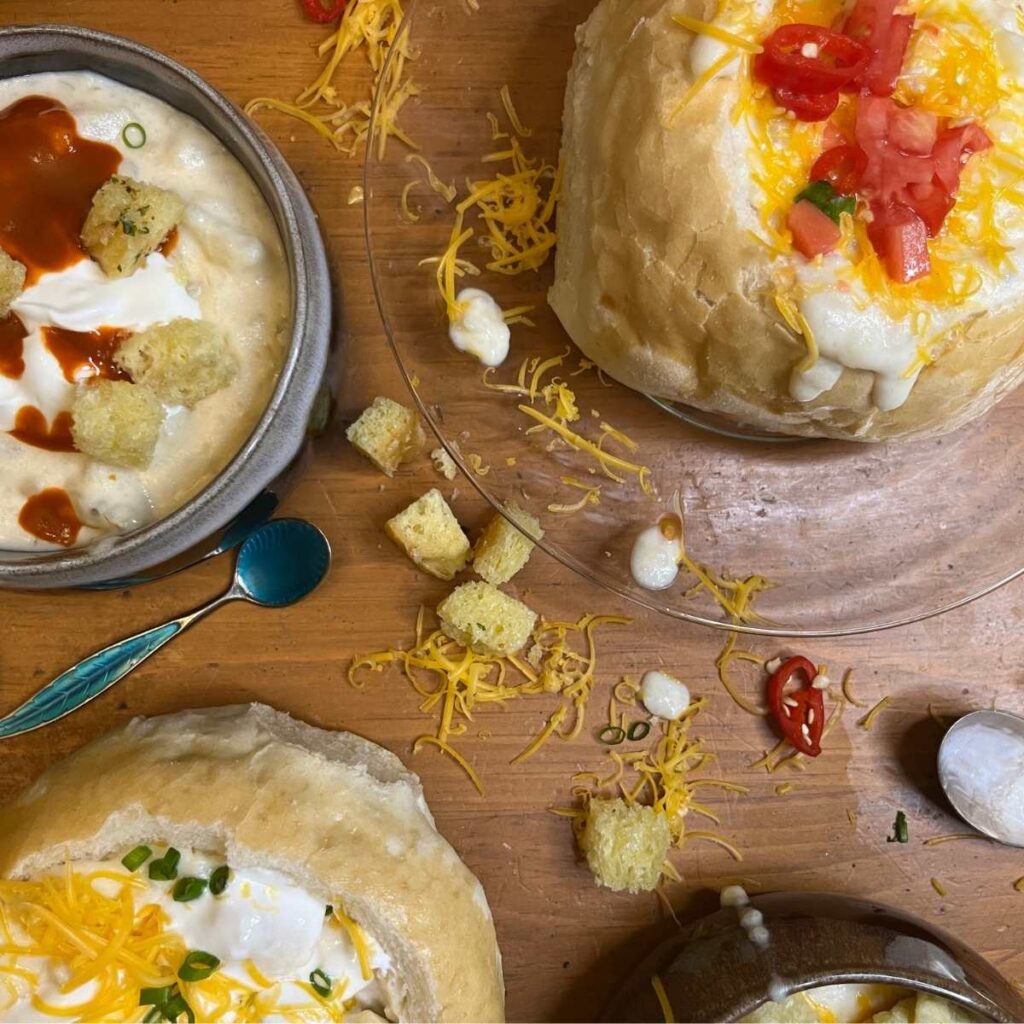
(662, 996)
(869, 719)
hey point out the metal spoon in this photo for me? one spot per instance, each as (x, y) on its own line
(976, 759)
(279, 564)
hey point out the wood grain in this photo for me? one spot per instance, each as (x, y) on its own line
(566, 943)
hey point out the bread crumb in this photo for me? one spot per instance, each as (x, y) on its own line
(387, 434)
(503, 550)
(486, 620)
(12, 281)
(625, 844)
(116, 422)
(128, 221)
(181, 362)
(428, 532)
(444, 464)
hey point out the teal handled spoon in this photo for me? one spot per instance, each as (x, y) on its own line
(279, 564)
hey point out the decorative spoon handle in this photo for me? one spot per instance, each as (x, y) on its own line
(92, 676)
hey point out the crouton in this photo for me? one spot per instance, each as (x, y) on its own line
(502, 550)
(428, 532)
(181, 362)
(128, 221)
(12, 281)
(444, 464)
(116, 422)
(484, 619)
(388, 434)
(625, 844)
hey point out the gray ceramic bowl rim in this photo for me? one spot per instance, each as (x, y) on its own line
(282, 428)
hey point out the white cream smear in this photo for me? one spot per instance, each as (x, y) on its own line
(261, 921)
(663, 695)
(654, 559)
(480, 327)
(982, 765)
(852, 330)
(227, 268)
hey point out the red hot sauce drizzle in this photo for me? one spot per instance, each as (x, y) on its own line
(84, 355)
(48, 176)
(30, 427)
(50, 516)
(12, 346)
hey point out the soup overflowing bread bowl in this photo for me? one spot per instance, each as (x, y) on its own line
(802, 216)
(246, 866)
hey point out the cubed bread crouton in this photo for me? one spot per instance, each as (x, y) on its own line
(502, 550)
(117, 422)
(181, 362)
(128, 220)
(481, 617)
(12, 281)
(444, 464)
(625, 844)
(428, 532)
(388, 434)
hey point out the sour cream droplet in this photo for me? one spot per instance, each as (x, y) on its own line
(480, 327)
(664, 696)
(654, 560)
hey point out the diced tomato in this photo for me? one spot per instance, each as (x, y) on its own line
(932, 203)
(913, 131)
(784, 63)
(883, 70)
(869, 19)
(806, 107)
(814, 233)
(955, 146)
(900, 238)
(833, 136)
(842, 167)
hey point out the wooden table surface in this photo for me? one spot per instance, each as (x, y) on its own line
(566, 943)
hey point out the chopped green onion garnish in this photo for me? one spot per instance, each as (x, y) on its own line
(134, 135)
(219, 880)
(134, 859)
(156, 1013)
(197, 966)
(165, 868)
(321, 983)
(612, 735)
(188, 889)
(826, 199)
(177, 1006)
(155, 996)
(328, 910)
(900, 830)
(638, 731)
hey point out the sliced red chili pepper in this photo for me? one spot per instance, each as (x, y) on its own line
(810, 59)
(842, 167)
(807, 107)
(799, 713)
(323, 12)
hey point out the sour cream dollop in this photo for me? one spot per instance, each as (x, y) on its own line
(480, 328)
(664, 696)
(654, 560)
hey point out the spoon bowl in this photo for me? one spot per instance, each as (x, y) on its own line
(281, 563)
(981, 771)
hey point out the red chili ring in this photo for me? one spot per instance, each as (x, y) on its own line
(838, 60)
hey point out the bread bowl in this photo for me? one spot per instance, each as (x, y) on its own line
(322, 819)
(676, 270)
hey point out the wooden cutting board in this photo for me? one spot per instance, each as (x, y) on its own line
(566, 943)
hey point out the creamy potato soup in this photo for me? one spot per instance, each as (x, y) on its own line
(144, 309)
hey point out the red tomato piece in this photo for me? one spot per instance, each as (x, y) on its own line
(913, 131)
(883, 70)
(814, 233)
(932, 203)
(869, 20)
(323, 12)
(955, 146)
(805, 107)
(810, 59)
(900, 238)
(842, 167)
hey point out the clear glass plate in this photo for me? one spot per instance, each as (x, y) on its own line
(854, 537)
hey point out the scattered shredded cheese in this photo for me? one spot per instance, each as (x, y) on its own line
(591, 496)
(938, 840)
(869, 719)
(666, 1006)
(938, 887)
(848, 691)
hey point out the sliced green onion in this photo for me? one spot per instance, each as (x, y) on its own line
(826, 199)
(155, 996)
(638, 731)
(156, 1013)
(197, 966)
(165, 868)
(188, 889)
(900, 829)
(134, 135)
(328, 910)
(134, 859)
(177, 1006)
(612, 735)
(321, 983)
(219, 880)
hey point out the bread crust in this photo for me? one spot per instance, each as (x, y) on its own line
(658, 280)
(340, 815)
